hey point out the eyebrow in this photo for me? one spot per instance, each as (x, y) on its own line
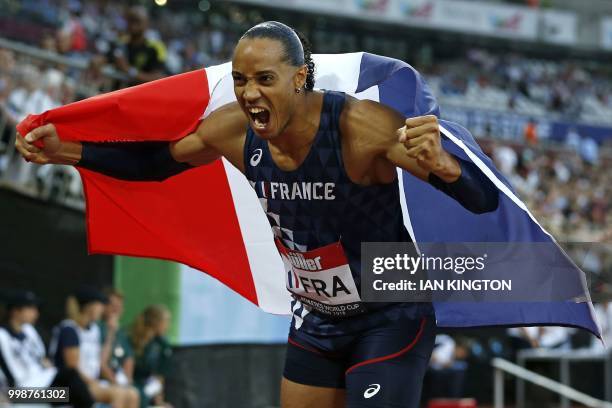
(258, 73)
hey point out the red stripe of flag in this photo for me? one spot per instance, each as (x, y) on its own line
(189, 218)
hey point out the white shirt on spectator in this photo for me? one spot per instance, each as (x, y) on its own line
(589, 150)
(89, 344)
(38, 347)
(444, 352)
(603, 315)
(20, 103)
(555, 337)
(506, 159)
(21, 357)
(520, 332)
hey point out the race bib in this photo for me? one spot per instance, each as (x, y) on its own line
(321, 279)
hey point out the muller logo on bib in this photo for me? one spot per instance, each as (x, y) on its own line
(321, 279)
(300, 261)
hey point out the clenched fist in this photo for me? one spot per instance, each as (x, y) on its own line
(53, 150)
(421, 137)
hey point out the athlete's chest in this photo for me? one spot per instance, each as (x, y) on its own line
(320, 178)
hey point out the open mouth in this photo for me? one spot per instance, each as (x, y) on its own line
(260, 117)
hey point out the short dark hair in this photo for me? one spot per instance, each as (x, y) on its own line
(297, 48)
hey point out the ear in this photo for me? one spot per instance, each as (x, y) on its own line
(299, 79)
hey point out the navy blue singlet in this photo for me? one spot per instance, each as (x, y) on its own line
(317, 205)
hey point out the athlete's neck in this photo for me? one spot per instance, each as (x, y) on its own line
(302, 127)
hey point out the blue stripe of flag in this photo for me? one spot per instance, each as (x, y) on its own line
(402, 88)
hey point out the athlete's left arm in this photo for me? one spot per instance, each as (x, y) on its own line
(414, 145)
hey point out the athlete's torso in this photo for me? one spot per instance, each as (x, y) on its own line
(317, 205)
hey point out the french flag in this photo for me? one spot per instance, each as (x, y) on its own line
(210, 218)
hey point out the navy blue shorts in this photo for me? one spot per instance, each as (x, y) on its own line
(382, 366)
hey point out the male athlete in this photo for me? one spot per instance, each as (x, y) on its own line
(313, 158)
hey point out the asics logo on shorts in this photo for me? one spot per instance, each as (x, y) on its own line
(256, 157)
(371, 391)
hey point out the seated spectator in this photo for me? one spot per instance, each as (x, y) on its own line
(22, 353)
(117, 354)
(522, 338)
(77, 344)
(555, 337)
(152, 352)
(29, 96)
(447, 368)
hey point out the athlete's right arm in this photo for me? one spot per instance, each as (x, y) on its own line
(138, 161)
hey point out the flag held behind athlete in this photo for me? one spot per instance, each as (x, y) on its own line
(209, 217)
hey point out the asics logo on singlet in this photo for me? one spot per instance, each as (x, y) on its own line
(371, 391)
(256, 157)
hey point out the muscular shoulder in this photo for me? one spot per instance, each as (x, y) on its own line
(369, 124)
(224, 124)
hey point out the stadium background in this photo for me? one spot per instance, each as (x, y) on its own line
(531, 79)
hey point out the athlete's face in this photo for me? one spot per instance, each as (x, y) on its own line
(265, 85)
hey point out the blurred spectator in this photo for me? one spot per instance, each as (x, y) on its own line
(552, 88)
(589, 150)
(117, 355)
(555, 337)
(570, 197)
(29, 96)
(603, 315)
(22, 352)
(522, 338)
(152, 352)
(141, 57)
(71, 37)
(572, 139)
(76, 343)
(447, 368)
(549, 337)
(505, 158)
(7, 71)
(530, 133)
